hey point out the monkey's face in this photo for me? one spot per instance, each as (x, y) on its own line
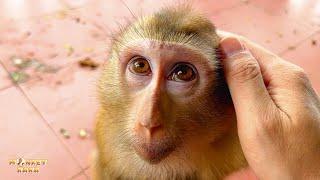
(163, 100)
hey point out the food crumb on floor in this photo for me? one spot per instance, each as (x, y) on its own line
(88, 62)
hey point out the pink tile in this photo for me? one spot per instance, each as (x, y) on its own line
(211, 7)
(8, 51)
(274, 33)
(4, 78)
(308, 57)
(144, 7)
(302, 11)
(106, 15)
(208, 7)
(77, 3)
(29, 8)
(56, 40)
(24, 134)
(274, 8)
(70, 104)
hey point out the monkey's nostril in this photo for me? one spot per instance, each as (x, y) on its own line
(151, 128)
(155, 128)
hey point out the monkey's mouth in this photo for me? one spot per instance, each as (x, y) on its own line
(154, 152)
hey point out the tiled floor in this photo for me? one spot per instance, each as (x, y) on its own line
(59, 33)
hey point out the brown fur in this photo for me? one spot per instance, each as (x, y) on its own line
(204, 127)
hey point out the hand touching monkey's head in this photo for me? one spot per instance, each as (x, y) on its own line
(164, 104)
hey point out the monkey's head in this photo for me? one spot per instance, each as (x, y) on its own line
(163, 98)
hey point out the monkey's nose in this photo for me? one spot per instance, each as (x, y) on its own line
(150, 127)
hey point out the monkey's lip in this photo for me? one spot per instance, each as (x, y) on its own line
(154, 152)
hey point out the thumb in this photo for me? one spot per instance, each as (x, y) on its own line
(245, 81)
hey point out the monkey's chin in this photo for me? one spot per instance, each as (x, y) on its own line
(154, 153)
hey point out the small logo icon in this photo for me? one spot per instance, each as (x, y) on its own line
(27, 165)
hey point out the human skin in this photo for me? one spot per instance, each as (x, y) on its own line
(278, 112)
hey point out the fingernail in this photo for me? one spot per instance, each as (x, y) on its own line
(231, 46)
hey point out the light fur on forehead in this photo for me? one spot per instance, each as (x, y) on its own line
(179, 25)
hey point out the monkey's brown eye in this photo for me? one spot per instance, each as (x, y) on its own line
(182, 73)
(140, 66)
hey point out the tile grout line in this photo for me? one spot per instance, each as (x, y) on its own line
(33, 106)
(53, 131)
(43, 119)
(76, 175)
(81, 172)
(298, 44)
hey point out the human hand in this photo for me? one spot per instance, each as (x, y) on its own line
(278, 112)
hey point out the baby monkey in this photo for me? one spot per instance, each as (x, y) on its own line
(165, 110)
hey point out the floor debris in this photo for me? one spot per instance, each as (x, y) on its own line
(19, 77)
(69, 49)
(291, 48)
(88, 49)
(88, 62)
(83, 133)
(65, 133)
(21, 63)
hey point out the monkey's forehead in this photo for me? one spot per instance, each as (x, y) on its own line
(139, 45)
(132, 40)
(172, 25)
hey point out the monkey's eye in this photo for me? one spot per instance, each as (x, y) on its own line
(139, 66)
(182, 73)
